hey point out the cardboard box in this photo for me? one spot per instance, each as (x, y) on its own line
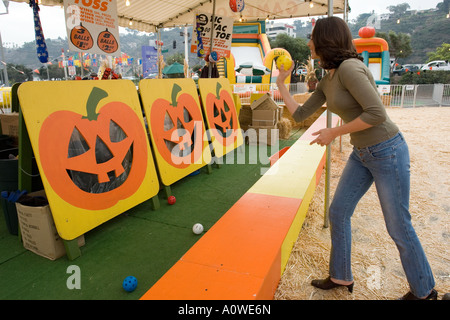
(264, 118)
(266, 135)
(265, 111)
(265, 102)
(10, 125)
(38, 230)
(245, 117)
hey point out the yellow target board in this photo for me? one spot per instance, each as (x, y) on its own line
(91, 148)
(220, 114)
(176, 127)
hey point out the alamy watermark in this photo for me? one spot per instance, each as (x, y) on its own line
(374, 277)
(74, 280)
(267, 140)
(374, 21)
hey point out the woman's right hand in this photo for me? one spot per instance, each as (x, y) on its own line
(283, 74)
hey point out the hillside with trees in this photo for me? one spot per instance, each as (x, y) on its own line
(427, 31)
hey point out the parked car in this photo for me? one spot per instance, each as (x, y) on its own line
(406, 68)
(437, 65)
(301, 72)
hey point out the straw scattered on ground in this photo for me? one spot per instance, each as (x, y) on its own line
(375, 260)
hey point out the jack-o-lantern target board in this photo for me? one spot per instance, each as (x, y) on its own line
(92, 150)
(176, 127)
(221, 116)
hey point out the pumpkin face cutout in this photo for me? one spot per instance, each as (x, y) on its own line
(81, 38)
(177, 129)
(107, 42)
(94, 161)
(222, 119)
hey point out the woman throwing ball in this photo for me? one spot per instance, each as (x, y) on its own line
(380, 155)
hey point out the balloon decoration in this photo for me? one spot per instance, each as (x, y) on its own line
(237, 5)
(213, 57)
(198, 29)
(41, 46)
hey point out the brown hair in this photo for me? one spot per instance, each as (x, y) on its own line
(333, 42)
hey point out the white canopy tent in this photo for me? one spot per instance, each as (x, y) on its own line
(149, 15)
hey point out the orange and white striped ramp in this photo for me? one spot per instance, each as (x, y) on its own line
(243, 256)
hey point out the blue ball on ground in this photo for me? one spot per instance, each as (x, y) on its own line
(129, 283)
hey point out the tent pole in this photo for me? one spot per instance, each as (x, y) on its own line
(186, 52)
(158, 52)
(346, 10)
(328, 151)
(211, 37)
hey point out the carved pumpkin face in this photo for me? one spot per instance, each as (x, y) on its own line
(222, 117)
(94, 161)
(177, 129)
(107, 42)
(81, 38)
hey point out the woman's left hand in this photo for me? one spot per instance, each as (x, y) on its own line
(325, 136)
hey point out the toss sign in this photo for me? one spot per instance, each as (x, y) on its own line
(92, 26)
(222, 35)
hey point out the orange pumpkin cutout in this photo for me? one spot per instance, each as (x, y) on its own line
(95, 160)
(107, 42)
(177, 129)
(81, 38)
(222, 119)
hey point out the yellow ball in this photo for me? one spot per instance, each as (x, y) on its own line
(285, 61)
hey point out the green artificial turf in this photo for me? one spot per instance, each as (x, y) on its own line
(141, 242)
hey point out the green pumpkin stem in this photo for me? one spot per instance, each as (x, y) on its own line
(218, 87)
(94, 98)
(175, 90)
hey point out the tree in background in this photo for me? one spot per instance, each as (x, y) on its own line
(399, 10)
(444, 6)
(175, 57)
(296, 47)
(53, 72)
(18, 73)
(441, 53)
(399, 44)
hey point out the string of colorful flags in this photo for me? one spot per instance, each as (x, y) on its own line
(93, 60)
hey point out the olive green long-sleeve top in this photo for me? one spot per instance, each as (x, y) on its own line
(352, 93)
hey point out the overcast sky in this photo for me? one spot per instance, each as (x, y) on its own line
(17, 26)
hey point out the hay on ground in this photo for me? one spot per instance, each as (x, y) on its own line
(375, 260)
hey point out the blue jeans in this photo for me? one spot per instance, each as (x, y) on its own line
(386, 164)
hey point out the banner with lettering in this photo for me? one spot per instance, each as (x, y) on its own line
(149, 60)
(92, 26)
(222, 35)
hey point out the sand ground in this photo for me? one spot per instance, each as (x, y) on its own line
(376, 264)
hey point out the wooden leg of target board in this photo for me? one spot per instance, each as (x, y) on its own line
(72, 249)
(167, 191)
(155, 202)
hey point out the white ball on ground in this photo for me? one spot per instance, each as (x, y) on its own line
(197, 228)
